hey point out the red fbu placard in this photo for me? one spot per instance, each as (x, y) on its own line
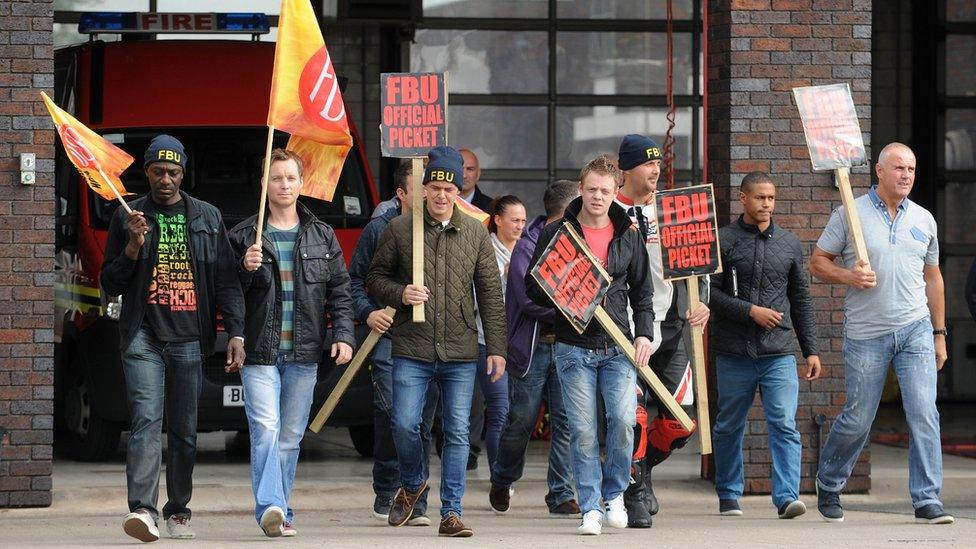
(830, 126)
(414, 113)
(571, 277)
(688, 232)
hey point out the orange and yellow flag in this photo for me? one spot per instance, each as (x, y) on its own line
(472, 210)
(98, 161)
(305, 99)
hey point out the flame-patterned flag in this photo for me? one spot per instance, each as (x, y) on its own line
(472, 210)
(305, 99)
(98, 161)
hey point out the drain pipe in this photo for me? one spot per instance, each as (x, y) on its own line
(821, 421)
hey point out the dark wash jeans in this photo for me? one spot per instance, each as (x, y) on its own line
(161, 376)
(386, 470)
(540, 381)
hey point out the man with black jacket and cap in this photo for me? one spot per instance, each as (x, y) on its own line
(171, 262)
(591, 362)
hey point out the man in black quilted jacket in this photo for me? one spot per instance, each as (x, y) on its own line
(761, 296)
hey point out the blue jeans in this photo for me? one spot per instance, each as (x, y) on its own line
(158, 376)
(527, 394)
(386, 471)
(584, 374)
(496, 404)
(411, 381)
(911, 352)
(277, 400)
(779, 386)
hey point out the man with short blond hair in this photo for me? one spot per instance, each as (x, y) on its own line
(592, 363)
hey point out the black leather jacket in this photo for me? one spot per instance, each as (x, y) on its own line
(213, 271)
(764, 269)
(321, 286)
(630, 274)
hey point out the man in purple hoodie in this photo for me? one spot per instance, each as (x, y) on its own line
(532, 374)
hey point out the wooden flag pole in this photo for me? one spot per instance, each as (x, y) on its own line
(698, 364)
(664, 396)
(853, 220)
(114, 190)
(417, 215)
(264, 185)
(357, 361)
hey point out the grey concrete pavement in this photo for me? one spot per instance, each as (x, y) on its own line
(333, 499)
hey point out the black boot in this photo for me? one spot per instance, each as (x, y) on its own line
(650, 500)
(634, 498)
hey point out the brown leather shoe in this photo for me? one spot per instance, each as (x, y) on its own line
(452, 527)
(403, 504)
(566, 508)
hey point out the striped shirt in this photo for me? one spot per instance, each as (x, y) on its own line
(284, 244)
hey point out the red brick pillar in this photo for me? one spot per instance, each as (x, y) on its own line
(26, 254)
(758, 51)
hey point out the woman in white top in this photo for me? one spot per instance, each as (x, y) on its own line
(505, 228)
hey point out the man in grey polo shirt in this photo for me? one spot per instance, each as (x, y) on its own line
(892, 304)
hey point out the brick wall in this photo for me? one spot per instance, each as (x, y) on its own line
(26, 254)
(758, 51)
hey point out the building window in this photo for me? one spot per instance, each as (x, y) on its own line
(538, 87)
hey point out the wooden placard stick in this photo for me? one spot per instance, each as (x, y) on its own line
(842, 175)
(264, 185)
(698, 366)
(664, 396)
(357, 361)
(417, 216)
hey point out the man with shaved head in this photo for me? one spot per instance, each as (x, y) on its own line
(894, 315)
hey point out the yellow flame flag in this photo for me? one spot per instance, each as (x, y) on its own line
(98, 161)
(305, 99)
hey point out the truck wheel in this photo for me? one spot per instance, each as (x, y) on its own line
(362, 439)
(88, 436)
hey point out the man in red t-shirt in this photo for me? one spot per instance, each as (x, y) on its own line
(592, 362)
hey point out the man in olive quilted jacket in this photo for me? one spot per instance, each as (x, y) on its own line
(444, 348)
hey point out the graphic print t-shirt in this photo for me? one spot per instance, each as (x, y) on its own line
(284, 243)
(172, 301)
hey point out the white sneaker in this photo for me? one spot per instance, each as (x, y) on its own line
(592, 523)
(616, 512)
(140, 525)
(271, 520)
(178, 527)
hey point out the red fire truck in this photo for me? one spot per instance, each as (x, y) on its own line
(213, 96)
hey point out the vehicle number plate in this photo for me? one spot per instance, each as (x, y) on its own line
(233, 395)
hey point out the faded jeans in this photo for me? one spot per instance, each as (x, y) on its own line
(911, 352)
(277, 400)
(583, 374)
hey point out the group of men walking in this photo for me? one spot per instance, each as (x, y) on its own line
(489, 323)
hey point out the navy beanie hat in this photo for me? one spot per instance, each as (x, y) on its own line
(165, 148)
(637, 149)
(444, 164)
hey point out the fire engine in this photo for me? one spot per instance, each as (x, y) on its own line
(213, 96)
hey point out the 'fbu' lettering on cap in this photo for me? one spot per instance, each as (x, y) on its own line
(653, 152)
(442, 175)
(171, 156)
